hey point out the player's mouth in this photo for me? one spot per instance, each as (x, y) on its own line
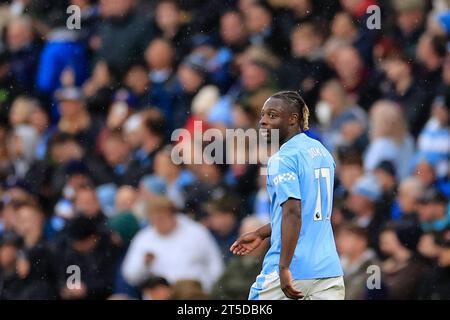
(264, 132)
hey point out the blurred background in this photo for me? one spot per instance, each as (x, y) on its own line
(86, 117)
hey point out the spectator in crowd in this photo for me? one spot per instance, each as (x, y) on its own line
(92, 250)
(350, 169)
(305, 70)
(124, 225)
(115, 165)
(356, 258)
(20, 111)
(62, 52)
(34, 264)
(430, 53)
(386, 176)
(409, 193)
(160, 59)
(209, 185)
(24, 51)
(121, 23)
(174, 247)
(434, 214)
(389, 138)
(10, 88)
(428, 247)
(10, 285)
(150, 142)
(241, 271)
(405, 90)
(75, 176)
(86, 203)
(218, 60)
(341, 122)
(354, 76)
(192, 76)
(363, 203)
(175, 177)
(8, 216)
(136, 79)
(126, 198)
(169, 25)
(433, 140)
(344, 28)
(22, 149)
(222, 221)
(409, 23)
(99, 88)
(233, 32)
(122, 106)
(39, 119)
(189, 290)
(75, 118)
(435, 284)
(156, 288)
(402, 271)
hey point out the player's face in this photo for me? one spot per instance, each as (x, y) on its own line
(274, 117)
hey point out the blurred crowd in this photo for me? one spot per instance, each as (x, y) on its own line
(86, 117)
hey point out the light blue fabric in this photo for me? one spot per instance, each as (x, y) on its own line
(106, 194)
(303, 169)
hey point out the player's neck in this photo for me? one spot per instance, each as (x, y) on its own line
(290, 135)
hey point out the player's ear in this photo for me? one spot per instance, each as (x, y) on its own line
(294, 119)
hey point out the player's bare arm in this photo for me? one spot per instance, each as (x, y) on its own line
(251, 240)
(290, 230)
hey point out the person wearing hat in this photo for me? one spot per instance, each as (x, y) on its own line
(75, 118)
(434, 211)
(402, 272)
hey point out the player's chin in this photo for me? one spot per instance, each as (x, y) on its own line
(265, 134)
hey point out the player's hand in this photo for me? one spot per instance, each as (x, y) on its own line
(286, 285)
(246, 243)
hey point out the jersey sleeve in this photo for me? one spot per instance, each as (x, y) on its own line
(285, 178)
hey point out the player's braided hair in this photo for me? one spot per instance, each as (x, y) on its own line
(295, 101)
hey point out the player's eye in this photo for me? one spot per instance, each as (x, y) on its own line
(272, 115)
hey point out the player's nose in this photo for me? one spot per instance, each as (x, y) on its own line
(263, 122)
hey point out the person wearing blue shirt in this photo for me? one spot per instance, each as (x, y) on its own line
(302, 262)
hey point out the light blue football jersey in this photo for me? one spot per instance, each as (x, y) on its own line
(303, 169)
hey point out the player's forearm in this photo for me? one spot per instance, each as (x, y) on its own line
(290, 230)
(265, 231)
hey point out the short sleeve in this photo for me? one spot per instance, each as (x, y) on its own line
(285, 176)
